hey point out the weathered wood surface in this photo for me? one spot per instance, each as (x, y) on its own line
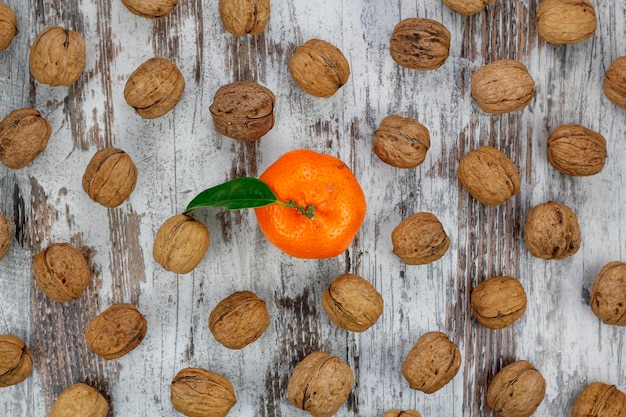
(180, 154)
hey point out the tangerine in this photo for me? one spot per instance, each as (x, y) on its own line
(323, 205)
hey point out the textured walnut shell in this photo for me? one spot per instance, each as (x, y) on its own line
(61, 272)
(16, 360)
(24, 134)
(58, 56)
(150, 8)
(245, 17)
(352, 303)
(6, 235)
(608, 294)
(401, 413)
(401, 142)
(243, 110)
(80, 400)
(196, 392)
(154, 88)
(116, 331)
(600, 400)
(503, 86)
(420, 239)
(420, 44)
(239, 319)
(110, 177)
(432, 362)
(516, 391)
(498, 301)
(180, 244)
(576, 150)
(320, 384)
(615, 82)
(489, 176)
(551, 231)
(8, 26)
(467, 7)
(566, 21)
(319, 68)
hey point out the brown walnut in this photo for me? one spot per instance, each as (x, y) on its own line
(61, 272)
(16, 360)
(401, 142)
(243, 110)
(420, 239)
(608, 294)
(8, 26)
(80, 400)
(498, 301)
(352, 303)
(432, 362)
(239, 319)
(489, 176)
(180, 244)
(467, 7)
(245, 17)
(196, 392)
(319, 68)
(58, 56)
(6, 235)
(615, 82)
(151, 9)
(24, 135)
(503, 86)
(566, 21)
(116, 331)
(600, 400)
(420, 44)
(516, 391)
(551, 231)
(401, 413)
(110, 177)
(576, 150)
(320, 384)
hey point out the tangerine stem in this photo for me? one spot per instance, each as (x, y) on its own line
(309, 211)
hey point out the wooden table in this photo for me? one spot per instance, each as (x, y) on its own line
(180, 154)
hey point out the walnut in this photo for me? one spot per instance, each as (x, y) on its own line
(16, 360)
(566, 21)
(320, 384)
(180, 244)
(551, 231)
(319, 68)
(467, 7)
(576, 150)
(243, 110)
(243, 17)
(420, 239)
(196, 392)
(151, 9)
(498, 301)
(615, 82)
(352, 303)
(24, 135)
(80, 400)
(401, 142)
(110, 177)
(61, 272)
(608, 294)
(401, 413)
(6, 235)
(503, 86)
(516, 391)
(8, 26)
(432, 362)
(239, 319)
(154, 88)
(58, 56)
(420, 44)
(489, 176)
(600, 400)
(116, 331)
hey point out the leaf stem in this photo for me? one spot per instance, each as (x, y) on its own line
(309, 211)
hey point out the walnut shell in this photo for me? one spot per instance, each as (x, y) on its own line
(401, 413)
(420, 44)
(608, 294)
(489, 176)
(516, 391)
(320, 384)
(58, 56)
(503, 86)
(498, 301)
(551, 231)
(576, 150)
(566, 21)
(432, 362)
(180, 244)
(8, 26)
(196, 392)
(352, 303)
(110, 177)
(467, 7)
(245, 17)
(61, 272)
(243, 110)
(154, 88)
(600, 400)
(116, 331)
(16, 360)
(615, 82)
(151, 9)
(401, 142)
(319, 68)
(24, 134)
(239, 319)
(6, 235)
(80, 400)
(420, 239)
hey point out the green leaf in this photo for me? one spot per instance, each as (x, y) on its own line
(240, 193)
